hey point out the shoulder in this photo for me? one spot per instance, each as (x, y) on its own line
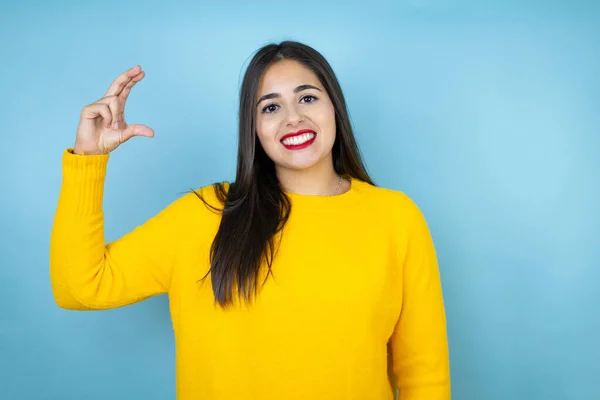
(213, 196)
(198, 202)
(388, 200)
(393, 207)
(192, 216)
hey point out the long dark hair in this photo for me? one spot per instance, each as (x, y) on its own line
(255, 208)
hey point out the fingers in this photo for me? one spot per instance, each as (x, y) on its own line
(112, 111)
(136, 130)
(127, 89)
(115, 106)
(94, 110)
(117, 94)
(122, 80)
(113, 139)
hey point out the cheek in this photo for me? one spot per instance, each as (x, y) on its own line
(266, 128)
(327, 118)
(266, 132)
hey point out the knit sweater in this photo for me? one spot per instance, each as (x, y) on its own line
(353, 309)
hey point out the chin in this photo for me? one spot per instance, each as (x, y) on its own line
(300, 161)
(298, 166)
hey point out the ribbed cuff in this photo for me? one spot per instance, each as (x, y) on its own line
(83, 181)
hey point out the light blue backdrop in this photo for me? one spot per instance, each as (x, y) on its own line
(485, 113)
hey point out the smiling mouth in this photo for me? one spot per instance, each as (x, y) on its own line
(299, 140)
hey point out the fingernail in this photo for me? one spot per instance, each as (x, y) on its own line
(115, 125)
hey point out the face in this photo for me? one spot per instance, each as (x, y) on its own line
(295, 118)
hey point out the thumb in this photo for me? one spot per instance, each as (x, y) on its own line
(137, 130)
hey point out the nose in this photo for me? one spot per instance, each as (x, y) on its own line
(293, 116)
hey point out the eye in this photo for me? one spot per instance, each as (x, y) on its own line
(270, 108)
(308, 98)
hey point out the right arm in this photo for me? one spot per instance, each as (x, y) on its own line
(86, 273)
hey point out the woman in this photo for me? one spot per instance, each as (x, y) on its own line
(299, 280)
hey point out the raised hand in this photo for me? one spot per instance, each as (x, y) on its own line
(102, 126)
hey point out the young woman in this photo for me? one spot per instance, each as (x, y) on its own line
(299, 280)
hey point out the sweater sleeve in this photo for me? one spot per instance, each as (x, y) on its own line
(419, 344)
(86, 273)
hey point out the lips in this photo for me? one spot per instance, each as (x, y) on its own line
(300, 132)
(299, 140)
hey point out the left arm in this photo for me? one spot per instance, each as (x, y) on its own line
(419, 343)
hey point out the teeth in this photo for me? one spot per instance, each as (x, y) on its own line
(295, 140)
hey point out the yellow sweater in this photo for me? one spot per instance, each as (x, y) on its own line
(353, 310)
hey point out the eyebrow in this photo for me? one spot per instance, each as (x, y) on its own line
(276, 95)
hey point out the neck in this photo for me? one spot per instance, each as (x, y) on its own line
(319, 180)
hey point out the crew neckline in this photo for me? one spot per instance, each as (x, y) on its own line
(326, 201)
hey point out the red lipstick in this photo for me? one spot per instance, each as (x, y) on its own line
(299, 146)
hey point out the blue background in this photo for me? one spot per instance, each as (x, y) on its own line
(485, 113)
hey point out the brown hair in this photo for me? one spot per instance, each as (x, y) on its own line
(255, 208)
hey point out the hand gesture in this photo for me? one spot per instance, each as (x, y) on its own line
(102, 127)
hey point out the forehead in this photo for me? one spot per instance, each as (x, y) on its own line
(286, 75)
